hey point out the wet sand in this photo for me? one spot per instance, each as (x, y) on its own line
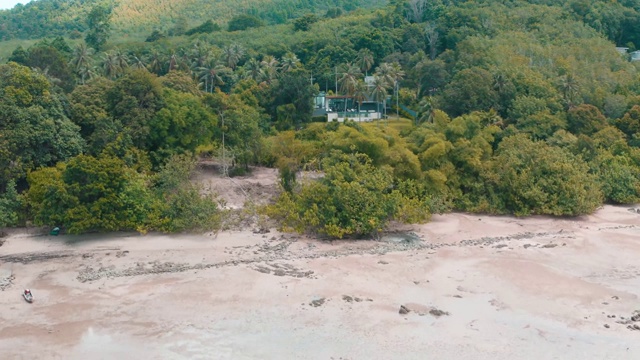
(535, 288)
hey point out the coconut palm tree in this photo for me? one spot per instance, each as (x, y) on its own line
(349, 80)
(569, 86)
(232, 54)
(253, 70)
(427, 110)
(289, 62)
(155, 62)
(392, 75)
(122, 59)
(200, 54)
(138, 63)
(269, 69)
(81, 61)
(173, 61)
(360, 94)
(210, 75)
(379, 90)
(110, 65)
(365, 60)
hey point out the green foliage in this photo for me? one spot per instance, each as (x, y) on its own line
(89, 194)
(10, 206)
(180, 126)
(304, 23)
(244, 22)
(206, 27)
(99, 26)
(34, 130)
(155, 36)
(619, 178)
(181, 206)
(354, 198)
(528, 177)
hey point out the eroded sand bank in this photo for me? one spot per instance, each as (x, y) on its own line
(535, 288)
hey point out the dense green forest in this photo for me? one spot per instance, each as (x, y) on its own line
(509, 107)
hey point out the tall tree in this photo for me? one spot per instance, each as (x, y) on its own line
(99, 26)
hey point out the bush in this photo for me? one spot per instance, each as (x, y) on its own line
(353, 199)
(527, 177)
(243, 22)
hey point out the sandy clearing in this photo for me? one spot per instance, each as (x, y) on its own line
(535, 288)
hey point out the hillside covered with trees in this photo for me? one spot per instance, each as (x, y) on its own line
(513, 107)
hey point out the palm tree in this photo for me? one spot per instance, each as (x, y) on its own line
(289, 62)
(365, 60)
(427, 110)
(138, 63)
(122, 59)
(155, 62)
(232, 54)
(379, 90)
(349, 80)
(253, 70)
(210, 75)
(200, 54)
(392, 75)
(173, 61)
(110, 65)
(81, 60)
(360, 94)
(269, 69)
(569, 86)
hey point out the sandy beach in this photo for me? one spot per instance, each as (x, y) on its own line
(475, 287)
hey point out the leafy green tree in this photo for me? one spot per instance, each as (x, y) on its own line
(134, 100)
(528, 177)
(181, 206)
(304, 23)
(469, 90)
(206, 27)
(89, 194)
(619, 178)
(294, 88)
(99, 22)
(180, 126)
(585, 119)
(10, 206)
(354, 199)
(34, 130)
(243, 22)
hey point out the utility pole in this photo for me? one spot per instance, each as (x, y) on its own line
(224, 158)
(311, 79)
(397, 100)
(336, 80)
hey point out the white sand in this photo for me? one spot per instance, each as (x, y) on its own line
(505, 302)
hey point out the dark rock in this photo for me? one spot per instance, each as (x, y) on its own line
(606, 325)
(403, 310)
(317, 302)
(437, 312)
(347, 298)
(383, 262)
(548, 246)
